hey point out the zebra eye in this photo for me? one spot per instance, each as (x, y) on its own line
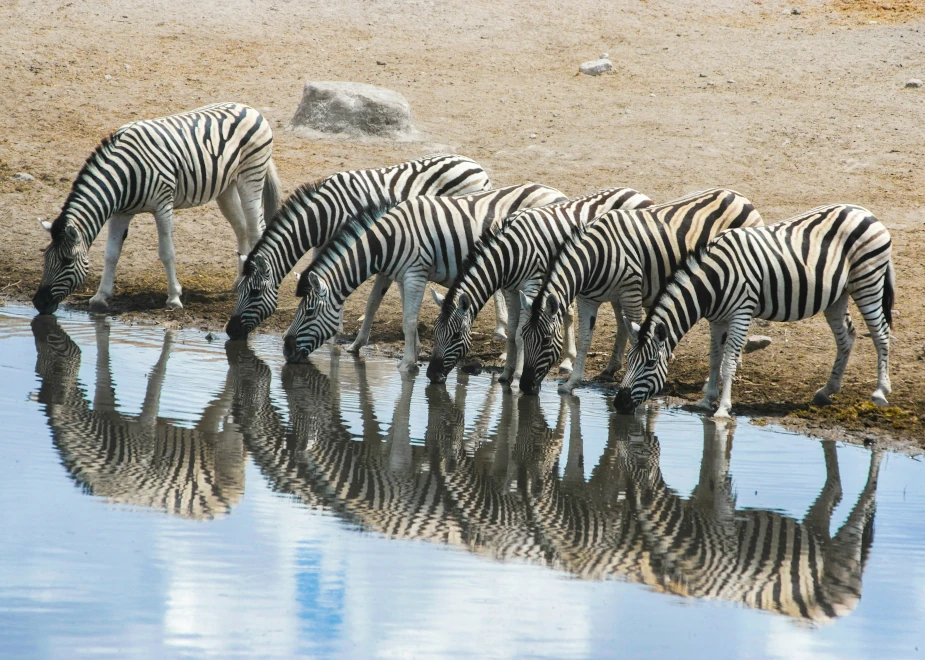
(254, 293)
(651, 362)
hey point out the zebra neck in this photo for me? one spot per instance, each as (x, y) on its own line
(346, 266)
(686, 299)
(487, 273)
(87, 212)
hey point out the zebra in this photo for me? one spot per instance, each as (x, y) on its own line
(787, 271)
(422, 239)
(623, 257)
(314, 212)
(706, 548)
(221, 151)
(139, 460)
(513, 259)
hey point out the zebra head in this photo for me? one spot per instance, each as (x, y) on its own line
(542, 338)
(257, 298)
(452, 334)
(646, 367)
(66, 266)
(316, 320)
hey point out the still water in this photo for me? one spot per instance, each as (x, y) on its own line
(166, 496)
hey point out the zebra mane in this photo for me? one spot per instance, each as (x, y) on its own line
(342, 241)
(681, 274)
(102, 151)
(301, 196)
(571, 241)
(476, 255)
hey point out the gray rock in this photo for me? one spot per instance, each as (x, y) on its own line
(353, 110)
(23, 176)
(756, 343)
(596, 67)
(915, 82)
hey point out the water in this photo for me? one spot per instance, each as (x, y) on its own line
(163, 496)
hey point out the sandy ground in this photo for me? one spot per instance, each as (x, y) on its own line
(791, 109)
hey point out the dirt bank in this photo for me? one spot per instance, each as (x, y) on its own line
(791, 109)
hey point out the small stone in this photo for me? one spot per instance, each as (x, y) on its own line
(210, 337)
(22, 176)
(796, 11)
(756, 343)
(380, 62)
(914, 83)
(731, 82)
(711, 84)
(596, 67)
(604, 56)
(127, 67)
(703, 75)
(532, 136)
(108, 77)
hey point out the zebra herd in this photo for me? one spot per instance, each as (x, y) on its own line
(437, 219)
(494, 488)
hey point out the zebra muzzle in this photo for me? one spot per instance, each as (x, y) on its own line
(623, 401)
(44, 301)
(435, 371)
(292, 352)
(235, 329)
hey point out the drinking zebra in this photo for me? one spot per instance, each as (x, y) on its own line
(623, 257)
(787, 271)
(221, 152)
(420, 240)
(511, 260)
(314, 212)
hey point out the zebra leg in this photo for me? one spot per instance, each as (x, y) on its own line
(587, 314)
(229, 203)
(735, 340)
(711, 390)
(118, 230)
(872, 311)
(840, 322)
(380, 286)
(568, 362)
(250, 195)
(501, 314)
(413, 287)
(510, 372)
(164, 220)
(619, 342)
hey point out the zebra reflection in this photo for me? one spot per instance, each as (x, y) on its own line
(497, 488)
(138, 460)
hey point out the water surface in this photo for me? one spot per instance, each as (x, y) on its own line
(167, 496)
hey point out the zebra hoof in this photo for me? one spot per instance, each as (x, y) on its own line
(99, 305)
(566, 387)
(722, 413)
(879, 399)
(822, 398)
(174, 304)
(500, 335)
(704, 404)
(354, 348)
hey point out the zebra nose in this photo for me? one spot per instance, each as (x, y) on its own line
(435, 371)
(623, 401)
(43, 301)
(290, 350)
(235, 329)
(528, 382)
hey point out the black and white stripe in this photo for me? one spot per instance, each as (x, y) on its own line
(514, 259)
(623, 257)
(314, 212)
(221, 152)
(138, 460)
(787, 271)
(422, 239)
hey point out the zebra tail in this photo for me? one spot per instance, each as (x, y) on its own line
(889, 287)
(272, 192)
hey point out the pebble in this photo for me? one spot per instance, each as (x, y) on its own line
(604, 56)
(756, 343)
(210, 337)
(380, 62)
(108, 77)
(596, 67)
(22, 176)
(532, 136)
(703, 75)
(796, 11)
(915, 82)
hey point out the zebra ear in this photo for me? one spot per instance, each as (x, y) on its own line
(318, 285)
(661, 332)
(552, 305)
(71, 234)
(464, 302)
(526, 302)
(437, 297)
(45, 225)
(633, 329)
